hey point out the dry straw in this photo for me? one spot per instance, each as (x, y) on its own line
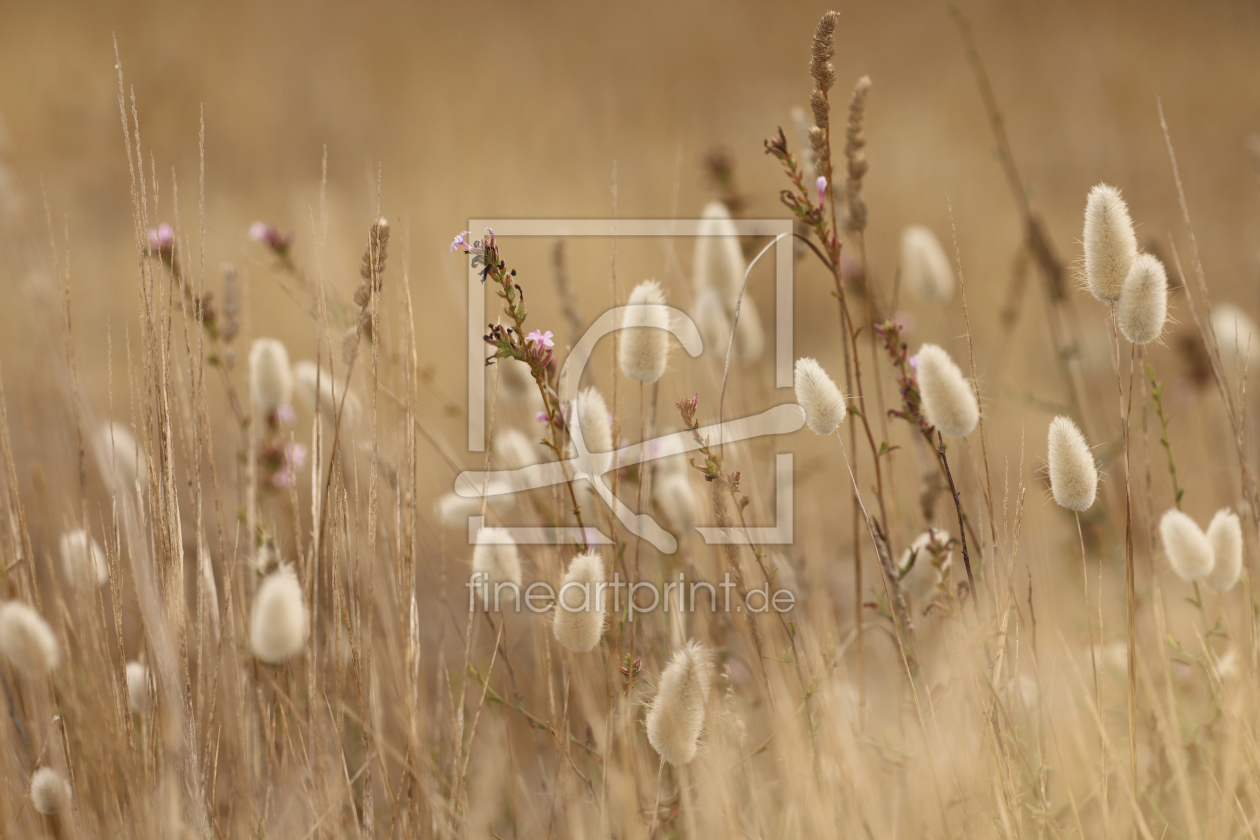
(818, 396)
(644, 347)
(279, 622)
(1073, 475)
(1143, 301)
(50, 792)
(579, 621)
(676, 718)
(1189, 551)
(26, 640)
(82, 560)
(925, 269)
(1110, 243)
(1224, 534)
(948, 401)
(923, 563)
(270, 378)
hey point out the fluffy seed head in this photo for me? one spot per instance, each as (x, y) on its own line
(593, 417)
(579, 621)
(50, 793)
(318, 392)
(644, 348)
(719, 261)
(712, 321)
(139, 687)
(26, 640)
(513, 450)
(118, 455)
(676, 719)
(1073, 475)
(1236, 334)
(923, 564)
(1143, 301)
(1224, 533)
(82, 560)
(1187, 546)
(750, 335)
(948, 401)
(818, 396)
(676, 500)
(925, 268)
(453, 509)
(270, 378)
(279, 622)
(499, 564)
(1110, 243)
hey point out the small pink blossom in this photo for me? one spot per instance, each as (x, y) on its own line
(258, 231)
(460, 242)
(821, 184)
(162, 240)
(286, 415)
(543, 339)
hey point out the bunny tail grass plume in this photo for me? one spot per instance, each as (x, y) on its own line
(644, 347)
(1073, 475)
(318, 393)
(676, 718)
(1110, 243)
(594, 419)
(270, 378)
(118, 455)
(26, 640)
(818, 396)
(925, 270)
(712, 322)
(676, 500)
(1187, 546)
(82, 560)
(279, 622)
(513, 450)
(923, 564)
(50, 793)
(719, 261)
(496, 567)
(579, 619)
(1224, 534)
(750, 336)
(948, 401)
(1236, 334)
(1143, 301)
(139, 687)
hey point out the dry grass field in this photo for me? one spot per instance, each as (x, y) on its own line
(238, 584)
